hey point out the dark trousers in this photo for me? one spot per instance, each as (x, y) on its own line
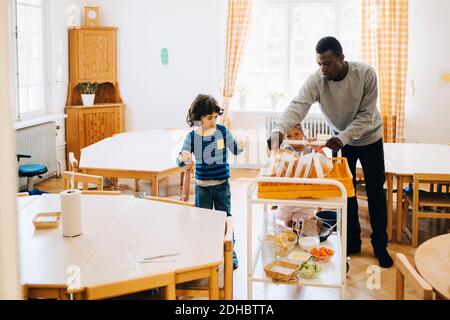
(215, 197)
(372, 161)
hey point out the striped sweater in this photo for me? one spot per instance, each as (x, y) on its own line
(211, 153)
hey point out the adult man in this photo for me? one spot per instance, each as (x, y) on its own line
(347, 95)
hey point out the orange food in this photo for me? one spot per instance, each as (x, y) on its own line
(322, 252)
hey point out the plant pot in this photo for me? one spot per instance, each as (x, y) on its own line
(88, 99)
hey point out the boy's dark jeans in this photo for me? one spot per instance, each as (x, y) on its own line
(372, 161)
(215, 197)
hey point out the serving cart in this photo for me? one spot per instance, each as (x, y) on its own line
(333, 274)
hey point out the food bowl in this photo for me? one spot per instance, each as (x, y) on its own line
(322, 253)
(329, 217)
(310, 270)
(284, 242)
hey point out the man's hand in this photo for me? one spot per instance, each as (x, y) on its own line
(334, 144)
(185, 157)
(275, 140)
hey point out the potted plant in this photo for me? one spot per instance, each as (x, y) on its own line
(243, 92)
(88, 90)
(275, 97)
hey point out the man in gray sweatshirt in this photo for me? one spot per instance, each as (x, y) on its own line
(347, 95)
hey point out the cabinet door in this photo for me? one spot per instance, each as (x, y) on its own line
(98, 124)
(97, 55)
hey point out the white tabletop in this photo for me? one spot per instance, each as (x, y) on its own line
(153, 229)
(46, 257)
(22, 202)
(411, 158)
(151, 150)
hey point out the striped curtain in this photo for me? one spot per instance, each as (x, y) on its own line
(238, 23)
(385, 46)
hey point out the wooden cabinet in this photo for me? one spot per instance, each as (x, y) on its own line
(92, 58)
(87, 125)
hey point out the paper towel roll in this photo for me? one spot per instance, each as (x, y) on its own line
(71, 213)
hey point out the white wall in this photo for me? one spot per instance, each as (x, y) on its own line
(9, 256)
(57, 51)
(428, 111)
(159, 96)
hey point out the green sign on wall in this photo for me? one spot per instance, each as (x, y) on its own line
(164, 56)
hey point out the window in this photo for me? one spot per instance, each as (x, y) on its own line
(28, 24)
(280, 52)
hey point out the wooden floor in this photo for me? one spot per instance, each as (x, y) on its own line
(365, 279)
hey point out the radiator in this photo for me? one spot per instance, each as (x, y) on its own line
(40, 143)
(312, 125)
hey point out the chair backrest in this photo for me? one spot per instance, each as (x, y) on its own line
(406, 271)
(431, 178)
(182, 203)
(85, 179)
(101, 193)
(439, 179)
(73, 162)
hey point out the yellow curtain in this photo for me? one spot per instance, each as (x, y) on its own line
(238, 23)
(385, 46)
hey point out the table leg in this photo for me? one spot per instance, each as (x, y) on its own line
(390, 196)
(214, 284)
(399, 208)
(155, 186)
(170, 292)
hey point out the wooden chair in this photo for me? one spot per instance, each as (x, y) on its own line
(406, 270)
(200, 288)
(85, 179)
(420, 199)
(73, 162)
(101, 193)
(167, 200)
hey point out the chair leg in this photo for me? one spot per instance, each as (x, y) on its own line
(399, 286)
(30, 185)
(415, 227)
(406, 203)
(136, 185)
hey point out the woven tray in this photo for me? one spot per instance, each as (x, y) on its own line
(278, 277)
(41, 220)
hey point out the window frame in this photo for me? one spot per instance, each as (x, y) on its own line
(20, 115)
(289, 39)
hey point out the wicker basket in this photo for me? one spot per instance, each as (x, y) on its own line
(340, 172)
(282, 277)
(40, 224)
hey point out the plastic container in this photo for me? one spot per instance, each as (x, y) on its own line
(340, 172)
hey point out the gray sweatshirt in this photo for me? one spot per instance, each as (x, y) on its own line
(349, 105)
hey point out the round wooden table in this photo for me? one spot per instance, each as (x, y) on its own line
(432, 260)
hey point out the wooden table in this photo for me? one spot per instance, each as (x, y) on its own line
(48, 261)
(96, 265)
(143, 155)
(403, 160)
(154, 229)
(432, 259)
(22, 202)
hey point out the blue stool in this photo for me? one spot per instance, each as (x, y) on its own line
(30, 171)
